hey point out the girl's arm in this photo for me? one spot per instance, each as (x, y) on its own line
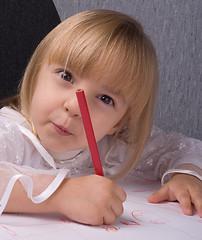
(168, 153)
(38, 184)
(91, 199)
(20, 202)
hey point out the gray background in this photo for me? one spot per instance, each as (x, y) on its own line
(175, 27)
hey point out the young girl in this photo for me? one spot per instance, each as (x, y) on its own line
(45, 162)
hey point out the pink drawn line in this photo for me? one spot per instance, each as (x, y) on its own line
(10, 232)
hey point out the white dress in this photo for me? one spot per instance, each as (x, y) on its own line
(23, 158)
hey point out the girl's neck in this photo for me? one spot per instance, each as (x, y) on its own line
(65, 156)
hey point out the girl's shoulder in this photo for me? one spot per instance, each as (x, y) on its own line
(11, 138)
(14, 117)
(9, 119)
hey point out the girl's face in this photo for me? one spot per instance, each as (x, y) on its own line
(55, 111)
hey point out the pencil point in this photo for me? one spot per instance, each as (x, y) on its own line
(79, 90)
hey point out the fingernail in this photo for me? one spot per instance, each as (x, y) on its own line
(188, 211)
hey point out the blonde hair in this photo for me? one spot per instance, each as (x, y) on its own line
(115, 46)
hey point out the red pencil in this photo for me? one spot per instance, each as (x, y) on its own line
(89, 132)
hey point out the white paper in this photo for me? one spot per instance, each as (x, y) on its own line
(141, 220)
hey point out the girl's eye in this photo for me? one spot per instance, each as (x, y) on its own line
(106, 99)
(66, 76)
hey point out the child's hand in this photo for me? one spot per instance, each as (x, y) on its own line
(93, 200)
(184, 188)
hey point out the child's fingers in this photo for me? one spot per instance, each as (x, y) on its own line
(183, 197)
(109, 217)
(197, 201)
(117, 208)
(159, 196)
(185, 189)
(114, 211)
(121, 194)
(198, 205)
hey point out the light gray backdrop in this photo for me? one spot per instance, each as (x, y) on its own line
(175, 27)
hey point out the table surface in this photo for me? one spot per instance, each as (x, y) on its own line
(140, 220)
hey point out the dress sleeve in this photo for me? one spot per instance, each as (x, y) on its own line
(168, 153)
(13, 167)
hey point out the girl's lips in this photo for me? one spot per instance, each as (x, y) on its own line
(61, 131)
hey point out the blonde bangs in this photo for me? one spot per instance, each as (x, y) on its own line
(108, 48)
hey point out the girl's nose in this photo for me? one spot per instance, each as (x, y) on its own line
(71, 105)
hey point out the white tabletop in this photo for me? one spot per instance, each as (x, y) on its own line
(141, 220)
